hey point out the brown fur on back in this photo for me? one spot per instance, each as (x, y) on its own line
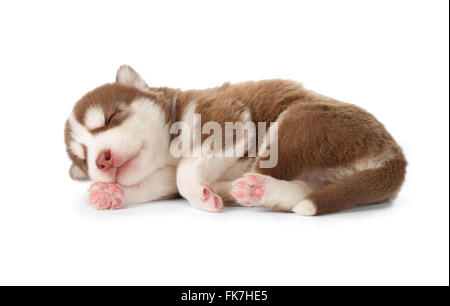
(322, 131)
(265, 100)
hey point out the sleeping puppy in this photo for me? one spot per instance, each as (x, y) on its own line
(298, 151)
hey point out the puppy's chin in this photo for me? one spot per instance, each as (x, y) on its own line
(128, 179)
(108, 176)
(133, 171)
(129, 176)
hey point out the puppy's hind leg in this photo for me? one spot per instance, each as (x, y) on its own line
(262, 190)
(272, 182)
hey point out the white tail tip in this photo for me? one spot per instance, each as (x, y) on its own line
(305, 208)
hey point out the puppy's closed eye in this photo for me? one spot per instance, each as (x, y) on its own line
(113, 118)
(108, 119)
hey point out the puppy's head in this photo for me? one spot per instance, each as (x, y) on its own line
(118, 132)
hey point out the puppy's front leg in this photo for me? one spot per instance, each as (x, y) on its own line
(194, 179)
(158, 185)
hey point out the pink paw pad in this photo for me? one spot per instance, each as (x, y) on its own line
(106, 196)
(258, 191)
(206, 194)
(249, 190)
(218, 202)
(211, 201)
(104, 202)
(114, 189)
(116, 203)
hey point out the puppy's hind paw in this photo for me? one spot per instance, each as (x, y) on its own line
(249, 190)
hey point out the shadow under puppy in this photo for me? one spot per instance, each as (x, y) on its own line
(330, 155)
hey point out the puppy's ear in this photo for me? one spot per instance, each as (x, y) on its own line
(127, 76)
(77, 173)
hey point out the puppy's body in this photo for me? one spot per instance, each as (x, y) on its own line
(331, 155)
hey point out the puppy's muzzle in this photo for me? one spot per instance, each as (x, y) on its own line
(104, 160)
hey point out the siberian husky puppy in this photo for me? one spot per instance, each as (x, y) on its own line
(318, 156)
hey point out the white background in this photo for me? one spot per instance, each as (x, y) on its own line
(390, 57)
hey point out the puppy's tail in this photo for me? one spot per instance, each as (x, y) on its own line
(371, 186)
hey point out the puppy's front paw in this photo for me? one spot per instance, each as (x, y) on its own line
(106, 196)
(211, 201)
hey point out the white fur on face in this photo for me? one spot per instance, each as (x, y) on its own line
(94, 118)
(143, 137)
(78, 132)
(77, 173)
(77, 149)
